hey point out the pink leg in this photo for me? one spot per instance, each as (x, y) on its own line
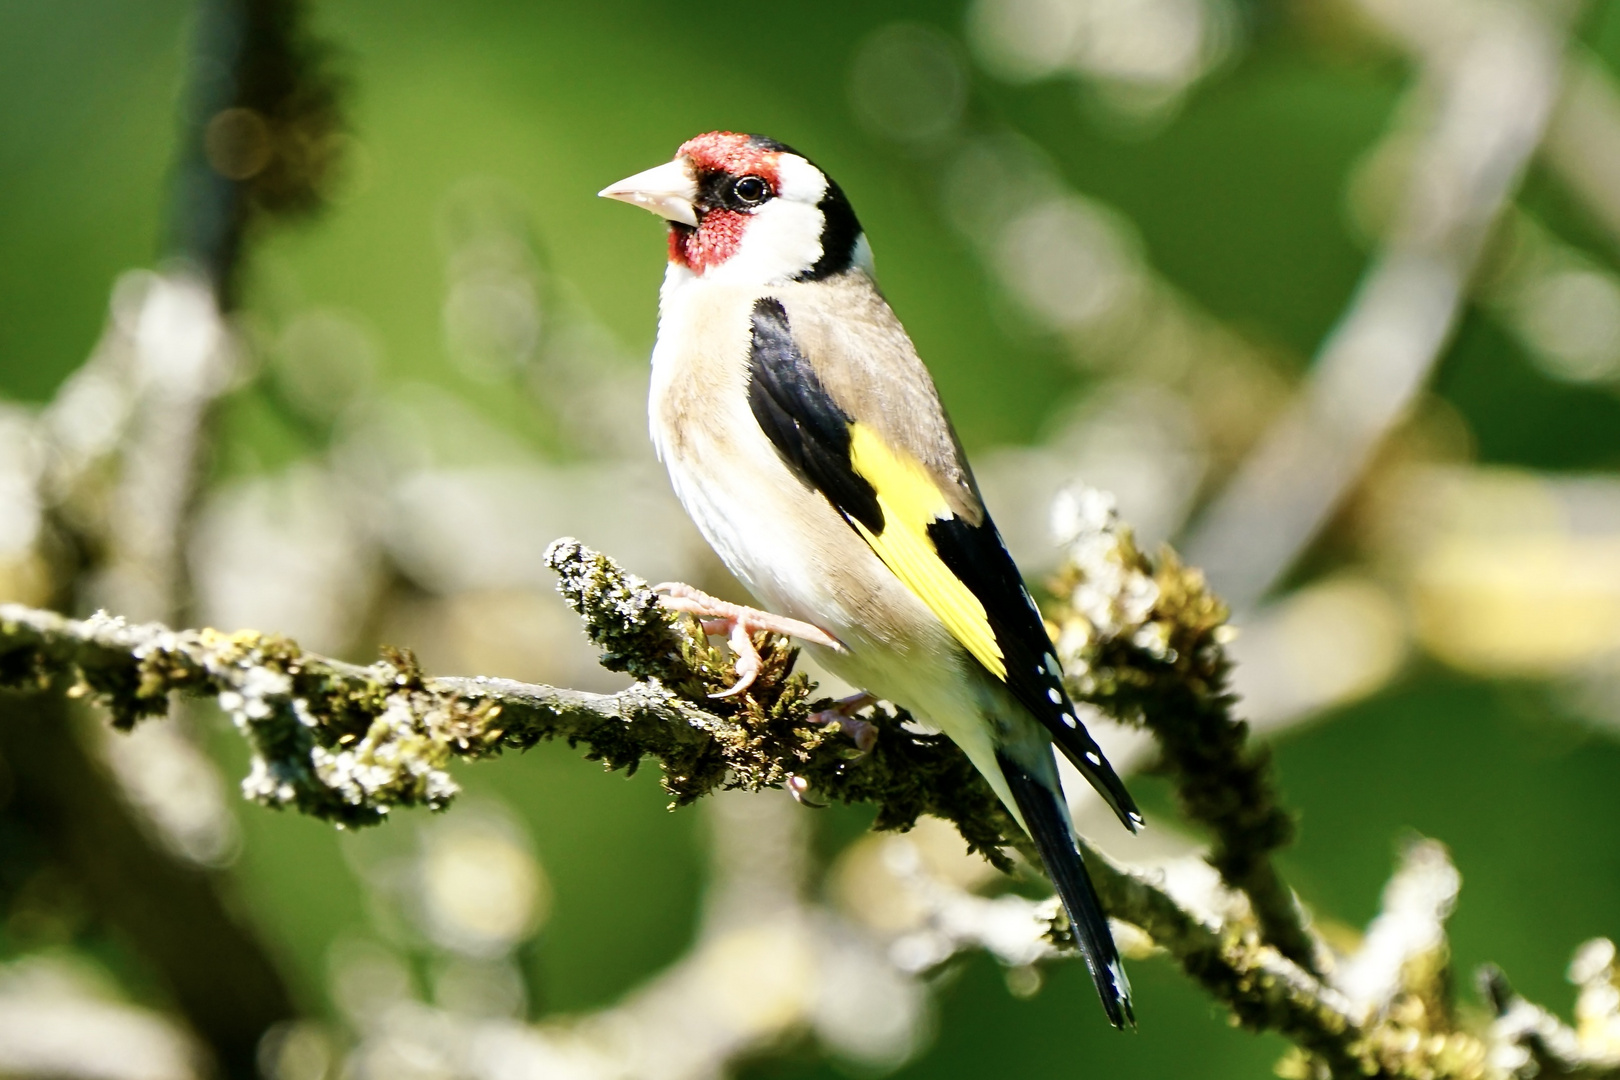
(863, 732)
(738, 624)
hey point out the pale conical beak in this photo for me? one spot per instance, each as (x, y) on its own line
(670, 191)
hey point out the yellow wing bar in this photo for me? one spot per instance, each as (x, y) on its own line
(911, 501)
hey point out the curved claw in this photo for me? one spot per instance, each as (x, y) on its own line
(746, 676)
(748, 663)
(799, 788)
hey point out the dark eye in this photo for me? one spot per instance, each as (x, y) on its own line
(751, 190)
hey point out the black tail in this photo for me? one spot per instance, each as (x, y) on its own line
(1049, 828)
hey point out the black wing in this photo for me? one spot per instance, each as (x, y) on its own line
(803, 422)
(812, 432)
(977, 556)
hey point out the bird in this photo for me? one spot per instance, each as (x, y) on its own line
(806, 439)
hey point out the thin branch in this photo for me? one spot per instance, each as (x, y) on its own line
(263, 132)
(349, 743)
(1144, 642)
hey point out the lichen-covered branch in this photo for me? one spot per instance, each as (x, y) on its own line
(349, 743)
(1143, 640)
(333, 739)
(765, 736)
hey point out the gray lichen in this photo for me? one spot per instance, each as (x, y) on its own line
(341, 742)
(348, 743)
(1143, 640)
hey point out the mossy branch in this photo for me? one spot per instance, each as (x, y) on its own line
(348, 743)
(1144, 641)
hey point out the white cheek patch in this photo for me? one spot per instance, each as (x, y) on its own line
(799, 181)
(782, 240)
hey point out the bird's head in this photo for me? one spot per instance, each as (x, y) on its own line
(748, 210)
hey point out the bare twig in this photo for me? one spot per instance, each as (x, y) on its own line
(263, 132)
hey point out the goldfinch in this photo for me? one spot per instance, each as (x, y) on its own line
(806, 439)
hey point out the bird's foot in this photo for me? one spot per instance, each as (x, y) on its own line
(863, 732)
(737, 624)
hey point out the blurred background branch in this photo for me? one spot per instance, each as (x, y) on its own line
(118, 458)
(1490, 76)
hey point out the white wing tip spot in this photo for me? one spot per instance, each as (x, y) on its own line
(1055, 697)
(1122, 984)
(1093, 757)
(1068, 718)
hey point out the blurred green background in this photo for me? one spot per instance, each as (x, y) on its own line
(1239, 196)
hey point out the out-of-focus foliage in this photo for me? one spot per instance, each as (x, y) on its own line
(1118, 231)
